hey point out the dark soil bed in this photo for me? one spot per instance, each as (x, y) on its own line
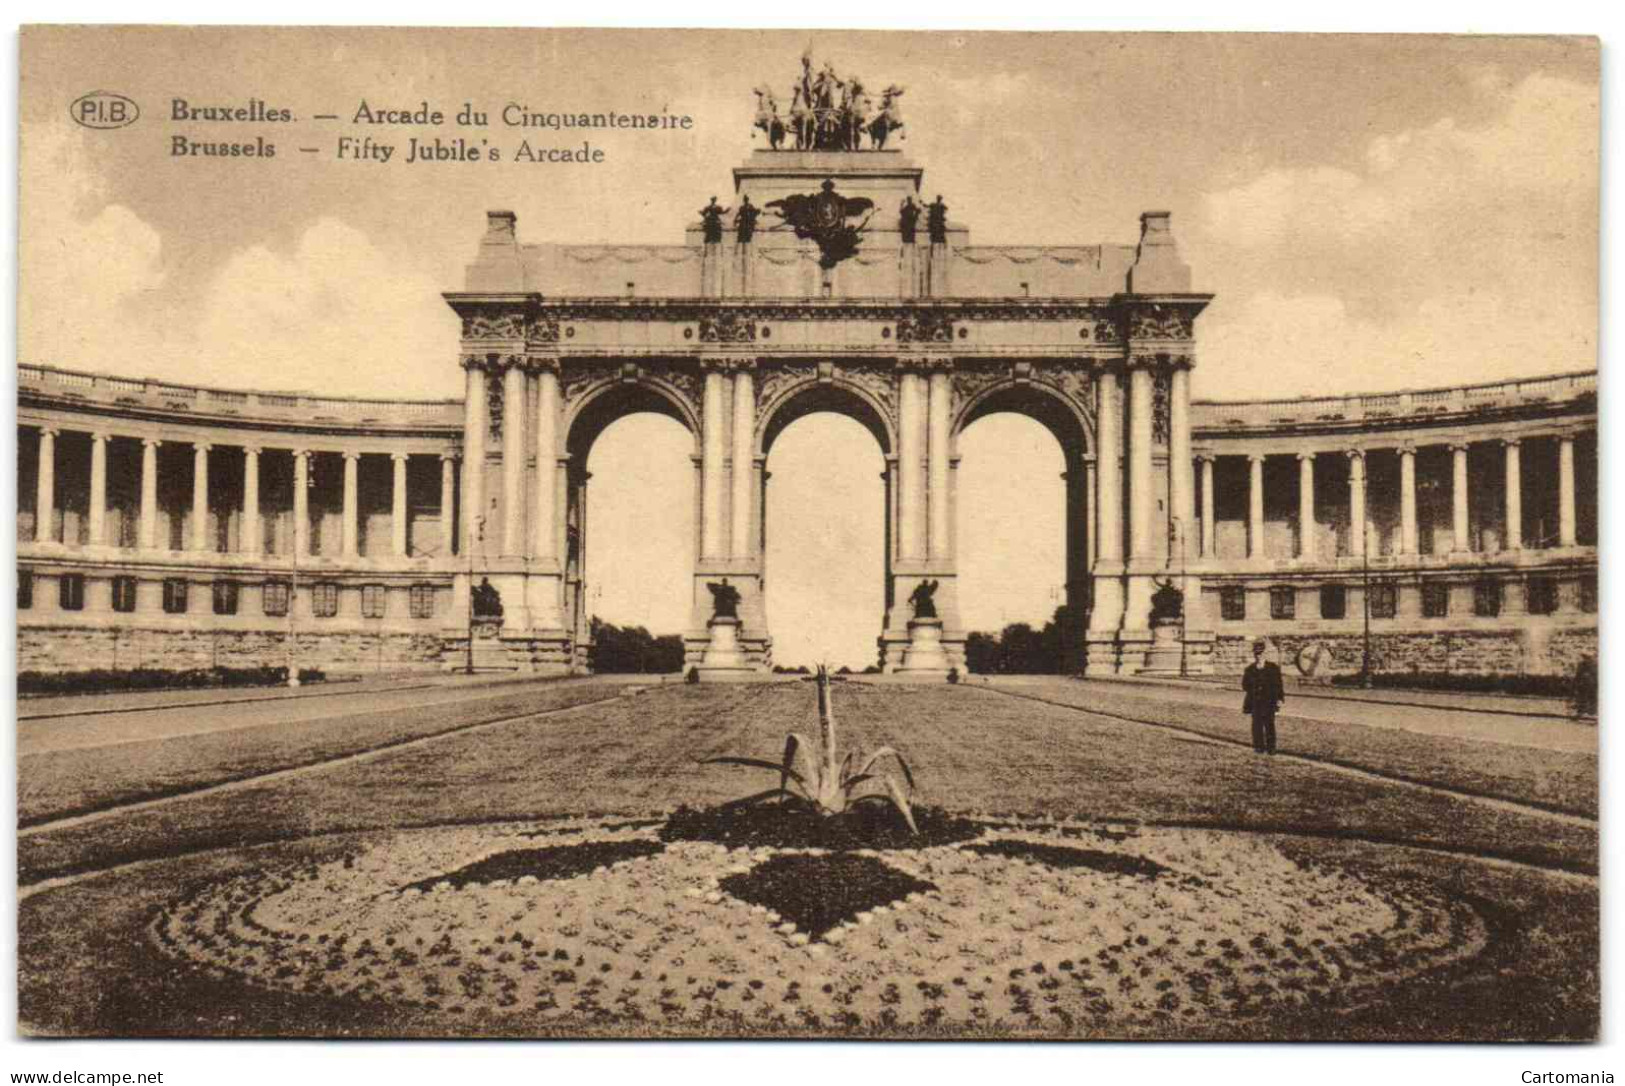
(796, 825)
(552, 862)
(817, 893)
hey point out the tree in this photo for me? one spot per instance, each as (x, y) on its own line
(619, 650)
(1019, 649)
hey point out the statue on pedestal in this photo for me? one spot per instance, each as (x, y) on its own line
(921, 599)
(1167, 604)
(486, 600)
(724, 600)
(745, 221)
(936, 221)
(711, 218)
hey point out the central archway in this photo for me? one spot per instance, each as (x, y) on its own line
(1040, 571)
(630, 562)
(825, 534)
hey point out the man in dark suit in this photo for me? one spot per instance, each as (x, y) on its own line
(1264, 691)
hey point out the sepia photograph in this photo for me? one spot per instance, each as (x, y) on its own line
(807, 534)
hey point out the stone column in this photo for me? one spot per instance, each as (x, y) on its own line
(200, 495)
(397, 506)
(98, 488)
(448, 501)
(301, 503)
(545, 512)
(1513, 482)
(1306, 506)
(911, 442)
(475, 425)
(1255, 505)
(348, 532)
(513, 459)
(1209, 534)
(713, 532)
(1458, 496)
(148, 537)
(1091, 480)
(744, 436)
(938, 425)
(1181, 485)
(1407, 499)
(1140, 497)
(1357, 525)
(1108, 587)
(1567, 535)
(45, 492)
(251, 535)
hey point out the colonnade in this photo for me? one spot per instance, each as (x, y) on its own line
(1462, 502)
(251, 540)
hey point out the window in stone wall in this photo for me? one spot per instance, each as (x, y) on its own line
(1283, 602)
(1487, 598)
(372, 600)
(1435, 599)
(124, 594)
(1233, 603)
(276, 598)
(1588, 593)
(71, 591)
(324, 599)
(175, 596)
(25, 590)
(1542, 595)
(225, 597)
(1384, 599)
(1334, 601)
(422, 601)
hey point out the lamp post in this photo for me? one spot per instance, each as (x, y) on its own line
(479, 537)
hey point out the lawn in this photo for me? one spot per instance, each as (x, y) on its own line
(972, 751)
(1555, 780)
(58, 784)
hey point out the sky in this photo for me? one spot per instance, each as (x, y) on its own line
(1370, 213)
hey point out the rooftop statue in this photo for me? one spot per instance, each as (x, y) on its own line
(828, 113)
(711, 220)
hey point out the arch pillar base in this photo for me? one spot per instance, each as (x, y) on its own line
(754, 643)
(528, 638)
(898, 633)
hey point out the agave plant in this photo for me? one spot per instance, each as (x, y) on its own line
(824, 779)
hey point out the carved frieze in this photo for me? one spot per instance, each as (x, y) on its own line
(494, 326)
(1160, 321)
(494, 397)
(925, 326)
(1073, 382)
(971, 379)
(727, 326)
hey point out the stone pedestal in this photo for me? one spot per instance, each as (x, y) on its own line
(1167, 652)
(924, 658)
(723, 658)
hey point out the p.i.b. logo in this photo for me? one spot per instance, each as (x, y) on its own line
(104, 109)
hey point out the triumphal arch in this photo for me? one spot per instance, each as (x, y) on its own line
(831, 279)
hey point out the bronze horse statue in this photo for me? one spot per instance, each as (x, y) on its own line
(767, 117)
(889, 120)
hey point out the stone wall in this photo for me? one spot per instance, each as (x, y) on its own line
(1504, 651)
(59, 648)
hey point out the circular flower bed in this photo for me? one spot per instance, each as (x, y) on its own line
(1028, 926)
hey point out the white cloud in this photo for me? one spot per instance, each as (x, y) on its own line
(337, 314)
(1455, 253)
(81, 259)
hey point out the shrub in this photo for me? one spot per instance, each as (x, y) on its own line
(1551, 686)
(823, 779)
(102, 680)
(953, 675)
(693, 675)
